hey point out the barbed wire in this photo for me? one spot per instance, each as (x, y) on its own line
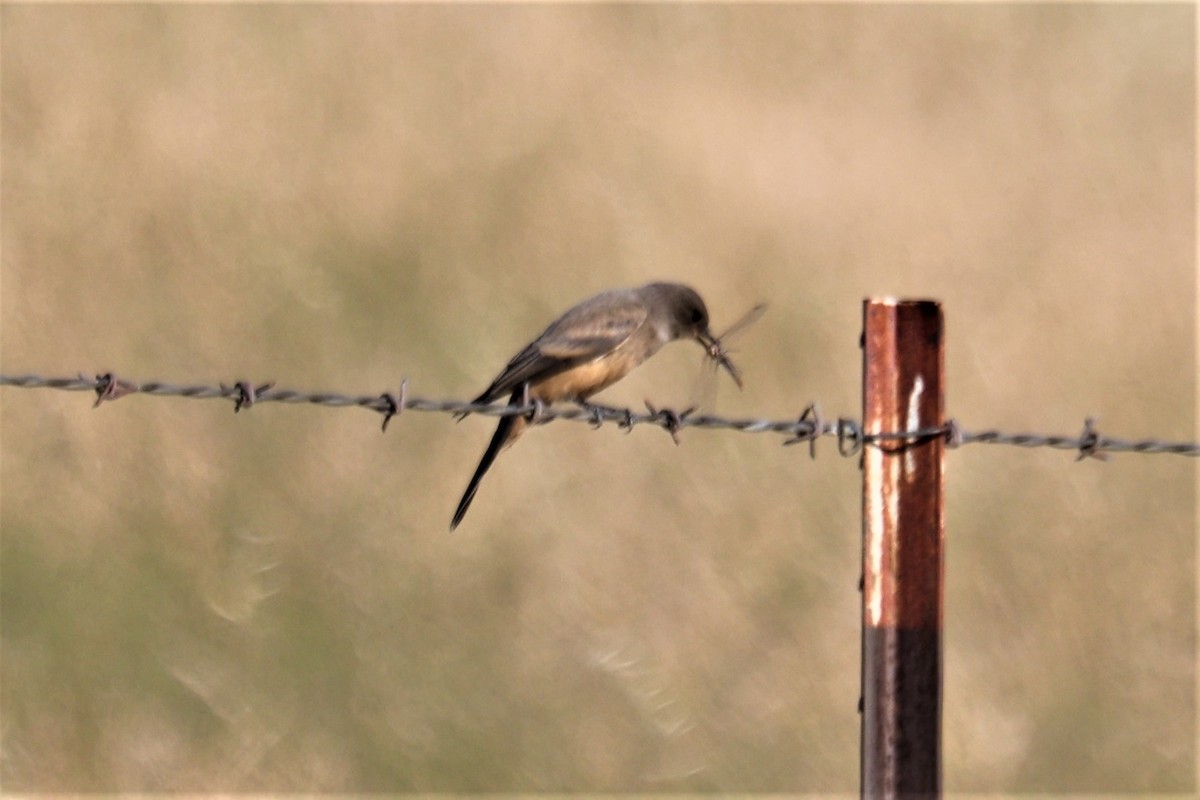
(808, 427)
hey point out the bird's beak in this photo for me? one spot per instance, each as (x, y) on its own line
(712, 346)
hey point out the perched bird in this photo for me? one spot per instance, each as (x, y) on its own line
(590, 347)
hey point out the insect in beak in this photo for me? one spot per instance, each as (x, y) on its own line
(716, 351)
(712, 346)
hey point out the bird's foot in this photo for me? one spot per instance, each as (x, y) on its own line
(600, 413)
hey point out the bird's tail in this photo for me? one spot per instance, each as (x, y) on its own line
(504, 434)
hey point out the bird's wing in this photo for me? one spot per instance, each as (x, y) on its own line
(587, 331)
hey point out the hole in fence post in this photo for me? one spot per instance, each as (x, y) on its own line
(903, 532)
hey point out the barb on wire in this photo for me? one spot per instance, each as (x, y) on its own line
(672, 420)
(808, 427)
(395, 406)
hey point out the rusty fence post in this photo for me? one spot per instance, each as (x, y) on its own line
(903, 531)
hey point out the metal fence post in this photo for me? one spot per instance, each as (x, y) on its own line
(903, 531)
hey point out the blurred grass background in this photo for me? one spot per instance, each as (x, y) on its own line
(333, 197)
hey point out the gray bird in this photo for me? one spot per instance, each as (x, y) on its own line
(590, 347)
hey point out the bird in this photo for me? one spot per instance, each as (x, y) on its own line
(590, 347)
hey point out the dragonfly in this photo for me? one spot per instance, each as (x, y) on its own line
(716, 352)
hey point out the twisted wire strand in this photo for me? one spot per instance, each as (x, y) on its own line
(807, 427)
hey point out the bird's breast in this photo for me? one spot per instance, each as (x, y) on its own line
(584, 380)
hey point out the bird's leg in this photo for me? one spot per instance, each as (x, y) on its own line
(536, 415)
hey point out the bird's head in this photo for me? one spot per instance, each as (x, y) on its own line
(689, 320)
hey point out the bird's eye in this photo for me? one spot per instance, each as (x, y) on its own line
(697, 316)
